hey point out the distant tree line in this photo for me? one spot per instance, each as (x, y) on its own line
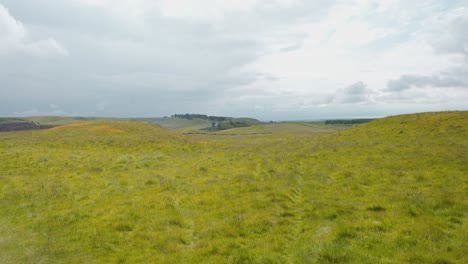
(217, 122)
(348, 121)
(199, 116)
(222, 125)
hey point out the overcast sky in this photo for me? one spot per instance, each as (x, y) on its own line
(269, 59)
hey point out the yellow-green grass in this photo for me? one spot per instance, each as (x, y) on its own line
(390, 191)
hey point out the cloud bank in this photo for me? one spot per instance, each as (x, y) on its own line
(282, 59)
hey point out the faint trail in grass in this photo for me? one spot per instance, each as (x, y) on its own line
(189, 239)
(295, 212)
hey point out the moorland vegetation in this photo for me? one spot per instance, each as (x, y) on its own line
(393, 190)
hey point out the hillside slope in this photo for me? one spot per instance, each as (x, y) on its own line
(393, 190)
(390, 191)
(296, 128)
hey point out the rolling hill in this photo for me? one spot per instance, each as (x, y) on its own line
(166, 122)
(390, 191)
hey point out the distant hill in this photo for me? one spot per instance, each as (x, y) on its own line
(11, 120)
(62, 120)
(171, 123)
(17, 124)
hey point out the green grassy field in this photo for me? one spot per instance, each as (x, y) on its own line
(390, 191)
(178, 123)
(292, 128)
(11, 120)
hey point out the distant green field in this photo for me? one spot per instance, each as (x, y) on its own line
(269, 133)
(177, 123)
(286, 128)
(11, 120)
(390, 191)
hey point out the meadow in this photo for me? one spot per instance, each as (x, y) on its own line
(104, 191)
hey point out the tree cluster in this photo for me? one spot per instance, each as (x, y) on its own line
(348, 121)
(199, 116)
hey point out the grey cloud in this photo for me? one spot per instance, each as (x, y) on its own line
(354, 93)
(67, 15)
(153, 66)
(406, 82)
(293, 47)
(266, 76)
(15, 38)
(303, 11)
(404, 96)
(452, 40)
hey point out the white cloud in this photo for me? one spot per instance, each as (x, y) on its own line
(406, 82)
(328, 54)
(448, 38)
(372, 41)
(180, 9)
(14, 38)
(203, 9)
(216, 10)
